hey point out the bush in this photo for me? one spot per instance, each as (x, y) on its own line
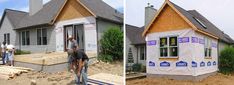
(21, 52)
(112, 43)
(136, 67)
(105, 58)
(226, 61)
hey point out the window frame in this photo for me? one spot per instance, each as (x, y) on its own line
(208, 48)
(168, 46)
(41, 36)
(140, 49)
(25, 40)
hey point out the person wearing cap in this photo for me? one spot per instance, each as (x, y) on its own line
(71, 42)
(81, 64)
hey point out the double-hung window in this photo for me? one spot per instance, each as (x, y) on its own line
(41, 37)
(25, 38)
(169, 46)
(208, 48)
(142, 53)
(7, 38)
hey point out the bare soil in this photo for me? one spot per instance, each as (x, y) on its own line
(63, 78)
(218, 79)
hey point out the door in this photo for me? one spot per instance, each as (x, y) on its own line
(79, 35)
(77, 31)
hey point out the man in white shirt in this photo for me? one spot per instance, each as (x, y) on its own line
(4, 46)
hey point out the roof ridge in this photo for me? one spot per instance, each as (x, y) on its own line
(7, 9)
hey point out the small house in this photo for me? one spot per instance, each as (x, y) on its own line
(182, 44)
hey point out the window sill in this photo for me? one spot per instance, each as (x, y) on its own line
(208, 57)
(168, 58)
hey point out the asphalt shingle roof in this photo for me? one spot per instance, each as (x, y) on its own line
(47, 14)
(210, 28)
(133, 33)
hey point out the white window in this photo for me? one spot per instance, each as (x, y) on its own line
(169, 46)
(208, 48)
(7, 38)
(25, 38)
(41, 37)
(142, 53)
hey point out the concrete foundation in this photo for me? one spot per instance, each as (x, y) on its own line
(183, 77)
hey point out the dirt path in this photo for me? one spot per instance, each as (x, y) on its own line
(63, 78)
(218, 79)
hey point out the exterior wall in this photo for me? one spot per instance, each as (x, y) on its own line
(102, 26)
(33, 47)
(188, 52)
(168, 20)
(7, 27)
(199, 56)
(222, 45)
(90, 33)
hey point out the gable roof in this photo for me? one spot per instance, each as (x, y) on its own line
(48, 13)
(190, 17)
(14, 16)
(133, 33)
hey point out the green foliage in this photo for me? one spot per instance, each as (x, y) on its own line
(226, 61)
(21, 52)
(137, 67)
(105, 58)
(112, 43)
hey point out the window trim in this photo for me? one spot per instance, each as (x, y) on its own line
(25, 36)
(140, 47)
(208, 46)
(168, 47)
(41, 36)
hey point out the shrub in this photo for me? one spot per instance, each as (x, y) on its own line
(226, 61)
(112, 43)
(137, 67)
(105, 58)
(21, 52)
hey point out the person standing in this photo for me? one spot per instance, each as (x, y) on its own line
(71, 42)
(11, 51)
(81, 64)
(3, 46)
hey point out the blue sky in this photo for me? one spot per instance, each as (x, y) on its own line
(219, 12)
(23, 4)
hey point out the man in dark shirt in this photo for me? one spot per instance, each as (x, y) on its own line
(81, 62)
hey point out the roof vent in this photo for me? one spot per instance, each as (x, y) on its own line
(201, 23)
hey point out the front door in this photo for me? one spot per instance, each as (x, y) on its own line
(77, 31)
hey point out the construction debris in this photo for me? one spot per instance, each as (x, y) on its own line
(9, 72)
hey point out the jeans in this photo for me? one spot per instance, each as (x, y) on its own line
(3, 58)
(83, 74)
(6, 57)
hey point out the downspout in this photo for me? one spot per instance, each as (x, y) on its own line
(137, 54)
(97, 37)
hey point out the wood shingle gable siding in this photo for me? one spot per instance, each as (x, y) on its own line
(168, 20)
(185, 15)
(71, 10)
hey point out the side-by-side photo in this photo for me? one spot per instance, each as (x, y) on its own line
(179, 42)
(61, 42)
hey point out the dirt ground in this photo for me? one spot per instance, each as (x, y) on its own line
(63, 78)
(218, 79)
